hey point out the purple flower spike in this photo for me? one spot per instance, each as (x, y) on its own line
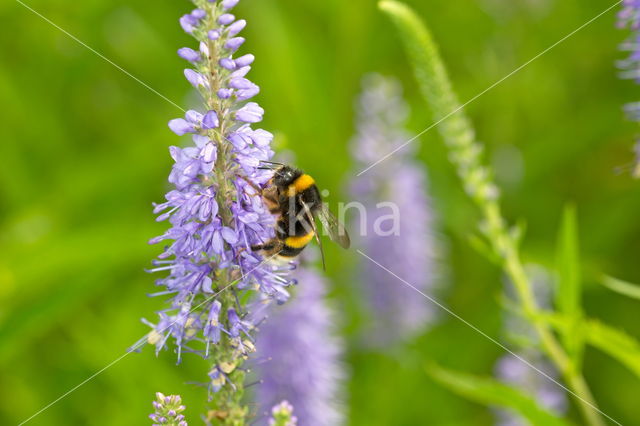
(514, 372)
(189, 54)
(629, 17)
(215, 216)
(303, 329)
(405, 243)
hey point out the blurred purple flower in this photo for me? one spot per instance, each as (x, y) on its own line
(629, 18)
(518, 374)
(301, 356)
(214, 215)
(405, 246)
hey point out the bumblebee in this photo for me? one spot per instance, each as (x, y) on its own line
(294, 197)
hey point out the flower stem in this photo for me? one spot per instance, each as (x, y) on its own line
(465, 154)
(514, 269)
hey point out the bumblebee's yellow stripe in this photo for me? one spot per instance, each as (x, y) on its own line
(300, 184)
(299, 242)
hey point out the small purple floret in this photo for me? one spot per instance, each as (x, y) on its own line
(234, 44)
(226, 19)
(189, 54)
(210, 120)
(229, 4)
(236, 27)
(250, 113)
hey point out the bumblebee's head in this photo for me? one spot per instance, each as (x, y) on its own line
(285, 176)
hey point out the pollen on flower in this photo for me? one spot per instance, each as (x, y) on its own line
(153, 337)
(227, 367)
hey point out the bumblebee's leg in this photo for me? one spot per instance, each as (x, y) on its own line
(270, 196)
(270, 248)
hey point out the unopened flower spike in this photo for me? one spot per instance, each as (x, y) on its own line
(168, 411)
(214, 215)
(282, 415)
(514, 372)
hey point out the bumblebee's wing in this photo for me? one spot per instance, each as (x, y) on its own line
(336, 231)
(311, 220)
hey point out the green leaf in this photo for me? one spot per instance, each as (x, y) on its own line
(615, 343)
(488, 391)
(568, 292)
(622, 287)
(568, 265)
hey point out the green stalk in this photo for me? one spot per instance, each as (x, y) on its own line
(465, 153)
(227, 406)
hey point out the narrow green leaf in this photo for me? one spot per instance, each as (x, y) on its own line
(488, 391)
(615, 343)
(568, 291)
(568, 265)
(622, 287)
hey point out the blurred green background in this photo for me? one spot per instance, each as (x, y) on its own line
(84, 153)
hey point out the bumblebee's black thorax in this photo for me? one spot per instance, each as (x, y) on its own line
(285, 176)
